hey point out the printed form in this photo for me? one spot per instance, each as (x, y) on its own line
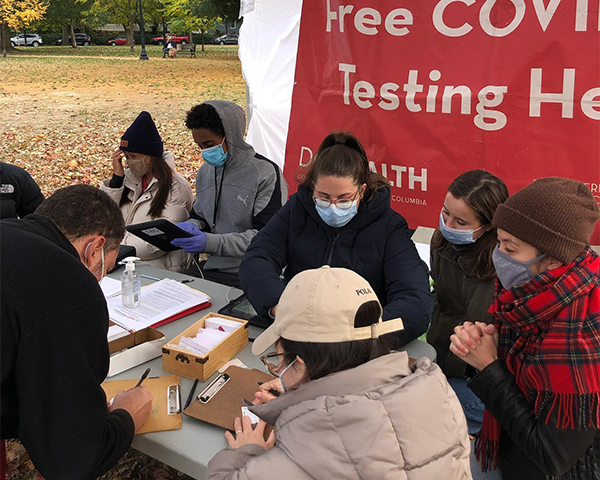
(160, 301)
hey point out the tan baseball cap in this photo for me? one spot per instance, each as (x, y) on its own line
(319, 306)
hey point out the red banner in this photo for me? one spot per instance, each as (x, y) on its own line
(436, 88)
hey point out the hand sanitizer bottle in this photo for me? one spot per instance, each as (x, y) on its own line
(131, 287)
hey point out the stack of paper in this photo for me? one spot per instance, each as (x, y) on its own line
(110, 287)
(216, 330)
(222, 324)
(161, 301)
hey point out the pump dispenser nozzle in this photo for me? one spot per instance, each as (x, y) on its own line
(129, 263)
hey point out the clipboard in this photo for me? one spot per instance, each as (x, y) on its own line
(222, 407)
(166, 401)
(158, 233)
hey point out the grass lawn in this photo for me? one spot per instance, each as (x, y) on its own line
(63, 112)
(121, 51)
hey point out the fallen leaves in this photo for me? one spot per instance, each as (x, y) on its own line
(63, 117)
(133, 466)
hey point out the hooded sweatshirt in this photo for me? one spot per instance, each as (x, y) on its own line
(234, 201)
(380, 420)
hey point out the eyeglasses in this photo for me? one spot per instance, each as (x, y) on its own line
(341, 204)
(272, 368)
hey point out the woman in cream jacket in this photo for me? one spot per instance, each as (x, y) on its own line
(348, 407)
(149, 189)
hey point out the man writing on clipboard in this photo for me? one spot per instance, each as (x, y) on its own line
(237, 191)
(54, 324)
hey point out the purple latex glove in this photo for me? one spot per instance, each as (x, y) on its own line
(195, 244)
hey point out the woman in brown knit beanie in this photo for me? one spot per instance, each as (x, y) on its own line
(539, 363)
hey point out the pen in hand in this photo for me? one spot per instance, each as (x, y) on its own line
(143, 377)
(272, 391)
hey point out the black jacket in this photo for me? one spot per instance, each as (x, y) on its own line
(375, 244)
(55, 355)
(458, 298)
(530, 448)
(19, 194)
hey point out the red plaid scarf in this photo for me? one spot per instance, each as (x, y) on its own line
(549, 338)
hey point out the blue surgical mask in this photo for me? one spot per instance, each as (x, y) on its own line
(457, 236)
(281, 374)
(214, 156)
(337, 217)
(511, 272)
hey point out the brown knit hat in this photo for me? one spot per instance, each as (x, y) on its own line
(555, 215)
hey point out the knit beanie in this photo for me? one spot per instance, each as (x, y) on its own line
(555, 215)
(142, 137)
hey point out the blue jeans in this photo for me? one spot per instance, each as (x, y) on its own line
(471, 405)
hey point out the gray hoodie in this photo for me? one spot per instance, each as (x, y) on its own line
(253, 190)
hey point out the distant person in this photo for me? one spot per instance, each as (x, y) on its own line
(149, 189)
(463, 273)
(54, 324)
(341, 216)
(538, 365)
(349, 408)
(237, 191)
(19, 194)
(171, 48)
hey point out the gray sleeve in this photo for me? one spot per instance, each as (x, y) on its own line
(230, 463)
(229, 244)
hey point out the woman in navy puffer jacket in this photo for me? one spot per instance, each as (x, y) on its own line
(341, 216)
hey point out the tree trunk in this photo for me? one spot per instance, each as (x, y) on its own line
(202, 32)
(73, 40)
(5, 45)
(65, 35)
(129, 35)
(129, 29)
(191, 36)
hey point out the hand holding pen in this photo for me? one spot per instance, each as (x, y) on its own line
(137, 402)
(268, 391)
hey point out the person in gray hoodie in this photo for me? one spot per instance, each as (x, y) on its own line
(348, 407)
(237, 191)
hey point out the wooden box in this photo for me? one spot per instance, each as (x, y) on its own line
(186, 364)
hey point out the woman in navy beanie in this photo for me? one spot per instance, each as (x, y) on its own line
(149, 188)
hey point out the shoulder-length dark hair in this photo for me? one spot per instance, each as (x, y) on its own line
(482, 192)
(322, 359)
(164, 176)
(342, 155)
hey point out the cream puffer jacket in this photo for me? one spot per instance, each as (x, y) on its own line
(177, 209)
(379, 421)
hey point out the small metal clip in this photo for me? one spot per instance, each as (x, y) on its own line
(210, 391)
(173, 399)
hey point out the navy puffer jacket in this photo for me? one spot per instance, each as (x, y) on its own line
(375, 244)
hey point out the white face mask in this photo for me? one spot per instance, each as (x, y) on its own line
(138, 166)
(101, 265)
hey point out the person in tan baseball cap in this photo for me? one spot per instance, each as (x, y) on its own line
(335, 294)
(347, 407)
